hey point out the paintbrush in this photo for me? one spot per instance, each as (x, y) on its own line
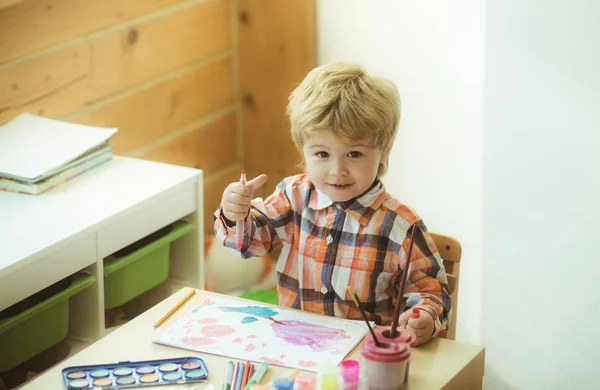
(396, 316)
(364, 315)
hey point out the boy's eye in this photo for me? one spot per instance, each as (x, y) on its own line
(354, 154)
(322, 154)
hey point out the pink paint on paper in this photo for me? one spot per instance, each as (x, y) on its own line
(272, 361)
(252, 336)
(207, 320)
(237, 340)
(319, 338)
(198, 341)
(217, 330)
(250, 348)
(304, 363)
(282, 356)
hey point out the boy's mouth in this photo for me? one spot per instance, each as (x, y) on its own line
(340, 186)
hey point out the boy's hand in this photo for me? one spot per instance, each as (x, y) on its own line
(422, 326)
(235, 202)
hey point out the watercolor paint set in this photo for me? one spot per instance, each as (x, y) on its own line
(135, 374)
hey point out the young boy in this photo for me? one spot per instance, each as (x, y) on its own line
(337, 225)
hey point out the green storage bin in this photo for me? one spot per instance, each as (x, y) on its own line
(30, 332)
(147, 266)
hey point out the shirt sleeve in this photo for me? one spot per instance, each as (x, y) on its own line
(267, 224)
(427, 284)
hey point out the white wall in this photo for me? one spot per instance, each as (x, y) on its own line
(433, 51)
(541, 195)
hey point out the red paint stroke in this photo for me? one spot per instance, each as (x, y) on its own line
(275, 321)
(252, 336)
(207, 320)
(198, 341)
(304, 363)
(237, 340)
(250, 348)
(272, 361)
(282, 356)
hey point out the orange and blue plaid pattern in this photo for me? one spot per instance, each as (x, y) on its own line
(329, 246)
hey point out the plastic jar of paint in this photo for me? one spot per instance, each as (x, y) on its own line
(386, 366)
(283, 384)
(305, 381)
(349, 375)
(327, 377)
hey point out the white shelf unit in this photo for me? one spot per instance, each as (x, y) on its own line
(73, 227)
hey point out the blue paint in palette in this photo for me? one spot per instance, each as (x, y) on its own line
(138, 374)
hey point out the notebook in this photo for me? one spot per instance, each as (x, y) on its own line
(32, 147)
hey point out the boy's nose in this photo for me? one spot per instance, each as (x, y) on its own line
(338, 169)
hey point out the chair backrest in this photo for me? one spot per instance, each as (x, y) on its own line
(450, 251)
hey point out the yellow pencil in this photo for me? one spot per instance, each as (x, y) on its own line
(181, 302)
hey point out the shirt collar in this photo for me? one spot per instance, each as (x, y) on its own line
(360, 208)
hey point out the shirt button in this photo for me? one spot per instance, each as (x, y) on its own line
(324, 290)
(329, 239)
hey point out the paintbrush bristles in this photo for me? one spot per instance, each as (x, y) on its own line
(364, 315)
(353, 296)
(396, 316)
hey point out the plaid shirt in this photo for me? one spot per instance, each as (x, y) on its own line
(328, 246)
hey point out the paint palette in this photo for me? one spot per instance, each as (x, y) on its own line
(136, 374)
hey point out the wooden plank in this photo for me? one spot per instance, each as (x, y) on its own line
(276, 51)
(8, 3)
(207, 147)
(25, 82)
(130, 56)
(28, 26)
(115, 68)
(148, 114)
(214, 185)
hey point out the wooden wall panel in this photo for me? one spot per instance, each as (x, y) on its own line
(208, 147)
(213, 190)
(142, 51)
(146, 115)
(32, 25)
(118, 61)
(34, 78)
(276, 51)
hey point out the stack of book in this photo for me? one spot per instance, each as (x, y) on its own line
(38, 154)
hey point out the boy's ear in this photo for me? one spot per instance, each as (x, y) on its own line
(385, 154)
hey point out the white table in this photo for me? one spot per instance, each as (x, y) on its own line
(439, 364)
(73, 227)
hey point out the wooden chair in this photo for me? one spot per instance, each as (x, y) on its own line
(450, 251)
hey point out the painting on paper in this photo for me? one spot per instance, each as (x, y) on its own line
(251, 331)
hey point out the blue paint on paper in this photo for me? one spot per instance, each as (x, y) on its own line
(258, 311)
(248, 320)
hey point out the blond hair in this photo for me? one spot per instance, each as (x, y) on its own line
(342, 98)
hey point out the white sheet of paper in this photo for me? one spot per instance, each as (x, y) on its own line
(31, 145)
(255, 332)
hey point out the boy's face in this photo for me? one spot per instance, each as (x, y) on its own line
(339, 169)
